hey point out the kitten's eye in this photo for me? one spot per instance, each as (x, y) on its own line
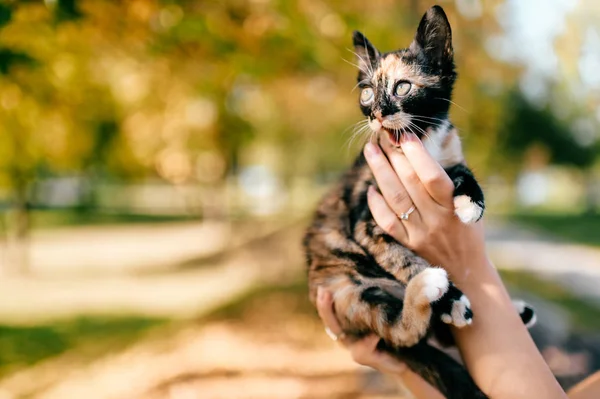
(366, 96)
(402, 89)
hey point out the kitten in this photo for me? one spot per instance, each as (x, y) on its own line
(378, 285)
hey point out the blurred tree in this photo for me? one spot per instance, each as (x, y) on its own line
(192, 92)
(529, 124)
(531, 130)
(56, 116)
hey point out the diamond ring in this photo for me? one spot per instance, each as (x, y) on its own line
(405, 215)
(333, 336)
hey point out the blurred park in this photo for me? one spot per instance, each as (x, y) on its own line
(159, 160)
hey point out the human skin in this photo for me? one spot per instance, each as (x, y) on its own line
(364, 351)
(497, 348)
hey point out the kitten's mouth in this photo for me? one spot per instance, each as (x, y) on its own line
(395, 134)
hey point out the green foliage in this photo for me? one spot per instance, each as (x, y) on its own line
(11, 58)
(76, 217)
(108, 89)
(528, 124)
(5, 14)
(294, 294)
(67, 10)
(22, 346)
(580, 228)
(583, 315)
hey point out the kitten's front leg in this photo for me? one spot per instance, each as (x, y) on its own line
(468, 196)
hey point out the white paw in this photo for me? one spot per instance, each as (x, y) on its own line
(461, 314)
(435, 283)
(466, 210)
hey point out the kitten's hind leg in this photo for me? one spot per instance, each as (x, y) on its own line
(422, 291)
(372, 306)
(441, 310)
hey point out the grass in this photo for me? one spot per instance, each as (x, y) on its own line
(44, 219)
(293, 295)
(581, 228)
(93, 336)
(23, 346)
(58, 218)
(584, 315)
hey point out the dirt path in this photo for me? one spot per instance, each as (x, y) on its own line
(96, 251)
(196, 277)
(277, 352)
(575, 267)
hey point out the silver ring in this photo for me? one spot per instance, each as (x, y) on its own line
(405, 215)
(333, 336)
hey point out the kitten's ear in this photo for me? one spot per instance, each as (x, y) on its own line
(366, 54)
(434, 38)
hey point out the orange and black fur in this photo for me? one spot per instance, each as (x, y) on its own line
(379, 285)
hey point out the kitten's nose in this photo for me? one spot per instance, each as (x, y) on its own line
(378, 115)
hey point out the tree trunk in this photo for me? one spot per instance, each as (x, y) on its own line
(18, 225)
(592, 192)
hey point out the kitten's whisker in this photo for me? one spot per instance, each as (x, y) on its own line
(355, 65)
(421, 130)
(432, 123)
(355, 127)
(359, 128)
(451, 102)
(439, 121)
(369, 65)
(357, 124)
(442, 121)
(364, 81)
(357, 134)
(429, 117)
(425, 134)
(369, 70)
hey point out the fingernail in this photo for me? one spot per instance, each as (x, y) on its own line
(407, 136)
(371, 191)
(372, 150)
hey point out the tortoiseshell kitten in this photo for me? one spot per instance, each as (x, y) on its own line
(378, 285)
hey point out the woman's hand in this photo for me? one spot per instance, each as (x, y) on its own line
(496, 348)
(363, 351)
(409, 177)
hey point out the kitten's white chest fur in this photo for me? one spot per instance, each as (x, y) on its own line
(443, 144)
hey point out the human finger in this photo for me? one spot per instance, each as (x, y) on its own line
(385, 217)
(326, 311)
(394, 192)
(408, 176)
(365, 352)
(433, 177)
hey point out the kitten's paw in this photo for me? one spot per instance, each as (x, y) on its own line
(467, 210)
(435, 283)
(460, 314)
(526, 312)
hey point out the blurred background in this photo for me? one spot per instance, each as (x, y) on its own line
(159, 160)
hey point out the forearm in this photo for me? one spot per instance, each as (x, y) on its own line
(497, 348)
(417, 386)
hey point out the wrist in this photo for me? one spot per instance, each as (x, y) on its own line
(475, 270)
